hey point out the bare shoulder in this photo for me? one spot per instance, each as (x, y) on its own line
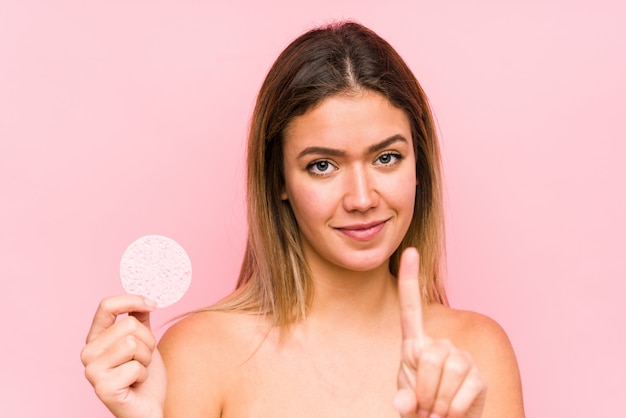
(471, 330)
(201, 353)
(207, 330)
(488, 344)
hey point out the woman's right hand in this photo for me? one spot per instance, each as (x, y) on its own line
(121, 360)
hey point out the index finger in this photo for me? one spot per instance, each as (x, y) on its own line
(410, 298)
(110, 308)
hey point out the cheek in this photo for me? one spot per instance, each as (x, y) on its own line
(312, 205)
(306, 202)
(405, 201)
(401, 191)
(404, 206)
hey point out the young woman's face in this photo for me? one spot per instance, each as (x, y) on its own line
(350, 179)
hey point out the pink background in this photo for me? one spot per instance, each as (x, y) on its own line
(125, 118)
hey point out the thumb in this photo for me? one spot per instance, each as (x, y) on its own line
(405, 402)
(144, 316)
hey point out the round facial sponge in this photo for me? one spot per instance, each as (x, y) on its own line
(156, 267)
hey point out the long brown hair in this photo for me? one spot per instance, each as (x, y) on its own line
(338, 58)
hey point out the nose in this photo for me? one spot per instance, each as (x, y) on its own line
(360, 191)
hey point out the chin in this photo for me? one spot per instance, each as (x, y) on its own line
(365, 261)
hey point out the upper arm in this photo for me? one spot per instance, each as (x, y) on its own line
(193, 369)
(493, 353)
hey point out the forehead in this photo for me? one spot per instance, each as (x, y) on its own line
(347, 120)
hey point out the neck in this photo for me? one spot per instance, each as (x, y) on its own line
(353, 299)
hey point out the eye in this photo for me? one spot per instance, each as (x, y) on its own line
(321, 167)
(389, 158)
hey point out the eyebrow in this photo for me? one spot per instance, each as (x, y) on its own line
(338, 153)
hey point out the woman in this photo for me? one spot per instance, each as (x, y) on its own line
(335, 313)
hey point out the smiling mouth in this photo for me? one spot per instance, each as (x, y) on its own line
(363, 232)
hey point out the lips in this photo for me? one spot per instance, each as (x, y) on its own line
(363, 232)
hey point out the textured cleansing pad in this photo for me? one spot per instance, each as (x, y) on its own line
(156, 267)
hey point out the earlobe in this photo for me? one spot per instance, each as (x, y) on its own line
(283, 195)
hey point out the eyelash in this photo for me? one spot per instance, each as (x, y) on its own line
(313, 167)
(398, 157)
(314, 164)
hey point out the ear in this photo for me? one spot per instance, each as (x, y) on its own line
(283, 194)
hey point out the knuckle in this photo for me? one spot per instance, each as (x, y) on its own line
(445, 344)
(436, 352)
(456, 367)
(130, 343)
(106, 305)
(458, 364)
(91, 374)
(152, 343)
(132, 324)
(135, 368)
(431, 359)
(475, 381)
(467, 356)
(85, 355)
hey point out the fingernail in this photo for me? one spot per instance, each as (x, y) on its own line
(434, 416)
(150, 303)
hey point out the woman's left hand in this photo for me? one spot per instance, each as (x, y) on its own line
(436, 379)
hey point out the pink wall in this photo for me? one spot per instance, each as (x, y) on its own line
(124, 118)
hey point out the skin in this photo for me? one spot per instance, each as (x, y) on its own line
(367, 347)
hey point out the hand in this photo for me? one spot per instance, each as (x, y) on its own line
(121, 360)
(436, 379)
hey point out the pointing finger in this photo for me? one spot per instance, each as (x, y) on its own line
(410, 299)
